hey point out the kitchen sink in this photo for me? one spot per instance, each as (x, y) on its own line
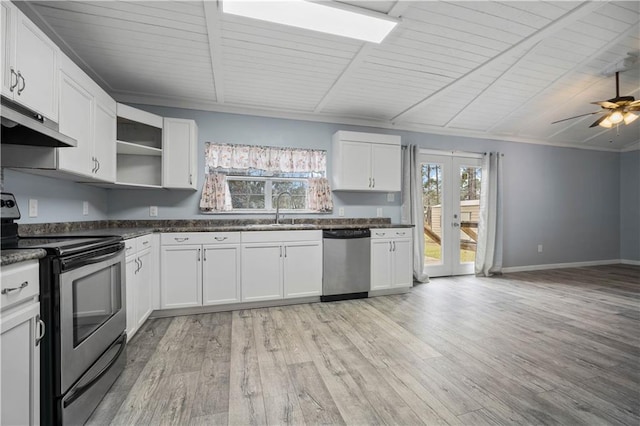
(280, 225)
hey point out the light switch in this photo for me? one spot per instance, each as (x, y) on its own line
(391, 197)
(341, 212)
(379, 212)
(153, 211)
(85, 208)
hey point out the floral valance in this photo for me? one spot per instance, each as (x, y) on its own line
(273, 159)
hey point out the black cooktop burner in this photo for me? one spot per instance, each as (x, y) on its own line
(61, 246)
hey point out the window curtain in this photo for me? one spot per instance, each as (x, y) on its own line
(489, 248)
(220, 158)
(412, 207)
(319, 195)
(215, 193)
(271, 159)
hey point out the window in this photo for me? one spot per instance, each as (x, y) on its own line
(243, 178)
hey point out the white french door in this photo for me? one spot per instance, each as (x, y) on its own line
(451, 200)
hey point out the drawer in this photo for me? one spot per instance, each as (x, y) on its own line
(144, 242)
(188, 238)
(130, 247)
(24, 277)
(390, 233)
(281, 236)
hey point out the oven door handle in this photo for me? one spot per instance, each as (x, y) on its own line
(77, 392)
(74, 263)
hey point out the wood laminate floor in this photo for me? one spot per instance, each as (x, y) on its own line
(546, 347)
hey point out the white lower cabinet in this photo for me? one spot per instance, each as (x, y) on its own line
(281, 264)
(199, 268)
(391, 258)
(20, 332)
(139, 266)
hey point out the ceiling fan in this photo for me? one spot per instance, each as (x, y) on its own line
(617, 110)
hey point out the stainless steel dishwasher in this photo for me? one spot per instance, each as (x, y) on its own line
(346, 264)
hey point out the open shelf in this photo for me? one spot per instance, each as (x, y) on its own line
(130, 148)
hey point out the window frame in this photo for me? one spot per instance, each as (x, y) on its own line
(268, 194)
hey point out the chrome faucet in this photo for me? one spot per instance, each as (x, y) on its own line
(278, 204)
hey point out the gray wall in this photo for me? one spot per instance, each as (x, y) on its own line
(630, 205)
(58, 200)
(566, 199)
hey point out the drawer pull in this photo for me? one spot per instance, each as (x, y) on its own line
(144, 243)
(400, 233)
(181, 240)
(41, 330)
(20, 287)
(128, 248)
(381, 234)
(221, 238)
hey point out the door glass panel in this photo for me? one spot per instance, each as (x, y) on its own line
(470, 178)
(432, 202)
(96, 298)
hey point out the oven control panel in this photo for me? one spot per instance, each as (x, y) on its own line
(8, 207)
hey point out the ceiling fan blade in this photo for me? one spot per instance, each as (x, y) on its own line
(633, 108)
(577, 116)
(599, 120)
(605, 104)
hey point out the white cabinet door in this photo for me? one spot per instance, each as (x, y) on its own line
(143, 288)
(380, 264)
(37, 64)
(261, 271)
(302, 272)
(76, 118)
(130, 289)
(8, 45)
(179, 158)
(385, 165)
(181, 284)
(20, 368)
(104, 141)
(402, 263)
(355, 166)
(221, 274)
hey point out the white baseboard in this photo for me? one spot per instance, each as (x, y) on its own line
(630, 262)
(564, 265)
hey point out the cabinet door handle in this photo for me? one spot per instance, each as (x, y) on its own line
(285, 251)
(280, 251)
(199, 255)
(400, 233)
(24, 83)
(190, 179)
(98, 165)
(374, 182)
(394, 246)
(369, 182)
(181, 240)
(204, 254)
(140, 263)
(127, 249)
(94, 164)
(10, 289)
(380, 234)
(221, 238)
(390, 246)
(11, 84)
(41, 329)
(144, 243)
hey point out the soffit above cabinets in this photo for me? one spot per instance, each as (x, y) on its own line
(501, 70)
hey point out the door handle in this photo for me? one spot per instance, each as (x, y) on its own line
(199, 255)
(369, 182)
(24, 83)
(190, 179)
(280, 251)
(11, 84)
(204, 255)
(390, 246)
(374, 182)
(98, 163)
(220, 238)
(394, 246)
(285, 251)
(181, 240)
(94, 164)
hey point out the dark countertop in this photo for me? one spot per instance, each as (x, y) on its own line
(133, 229)
(9, 257)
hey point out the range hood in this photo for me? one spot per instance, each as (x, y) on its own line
(23, 127)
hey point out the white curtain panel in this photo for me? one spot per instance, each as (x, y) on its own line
(489, 248)
(412, 207)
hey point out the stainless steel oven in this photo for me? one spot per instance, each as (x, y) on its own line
(84, 305)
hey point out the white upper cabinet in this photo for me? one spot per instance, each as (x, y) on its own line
(88, 115)
(29, 64)
(180, 141)
(366, 162)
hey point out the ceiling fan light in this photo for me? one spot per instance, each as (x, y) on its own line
(630, 117)
(606, 123)
(616, 117)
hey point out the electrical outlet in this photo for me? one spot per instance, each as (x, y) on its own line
(85, 208)
(153, 211)
(391, 197)
(539, 248)
(341, 212)
(379, 212)
(33, 207)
